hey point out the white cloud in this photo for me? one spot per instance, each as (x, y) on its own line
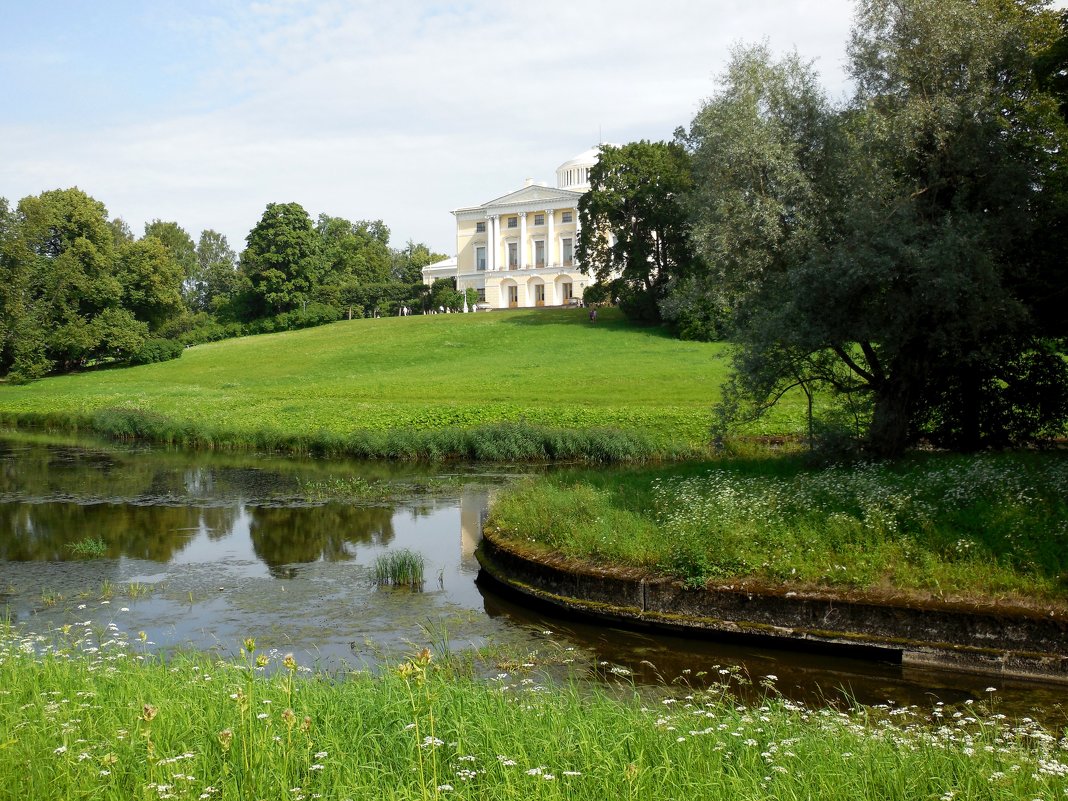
(401, 111)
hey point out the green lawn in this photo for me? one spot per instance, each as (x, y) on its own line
(547, 368)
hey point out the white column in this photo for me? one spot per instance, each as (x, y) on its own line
(522, 240)
(494, 242)
(550, 237)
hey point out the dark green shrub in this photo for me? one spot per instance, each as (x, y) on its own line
(157, 350)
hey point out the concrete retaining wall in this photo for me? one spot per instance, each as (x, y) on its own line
(1015, 643)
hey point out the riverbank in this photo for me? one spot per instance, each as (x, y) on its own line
(938, 559)
(89, 713)
(536, 385)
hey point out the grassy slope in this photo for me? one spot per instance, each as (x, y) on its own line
(549, 367)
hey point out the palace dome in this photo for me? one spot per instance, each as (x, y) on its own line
(574, 174)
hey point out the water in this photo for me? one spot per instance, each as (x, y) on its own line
(204, 550)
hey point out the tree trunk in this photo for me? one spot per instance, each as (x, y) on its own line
(891, 420)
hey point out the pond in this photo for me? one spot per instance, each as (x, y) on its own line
(204, 549)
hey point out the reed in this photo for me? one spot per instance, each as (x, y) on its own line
(401, 568)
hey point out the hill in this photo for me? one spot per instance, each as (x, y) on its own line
(550, 369)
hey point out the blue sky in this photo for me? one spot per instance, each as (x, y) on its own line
(204, 112)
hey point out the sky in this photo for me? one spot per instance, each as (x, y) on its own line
(205, 111)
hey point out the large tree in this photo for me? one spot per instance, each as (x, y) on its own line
(633, 225)
(882, 251)
(62, 302)
(281, 261)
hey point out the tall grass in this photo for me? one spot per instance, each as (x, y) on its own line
(401, 568)
(990, 527)
(86, 714)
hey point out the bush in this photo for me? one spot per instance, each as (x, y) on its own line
(157, 350)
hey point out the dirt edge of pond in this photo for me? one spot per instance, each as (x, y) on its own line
(1011, 643)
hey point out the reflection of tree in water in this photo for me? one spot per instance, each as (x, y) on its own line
(45, 531)
(284, 536)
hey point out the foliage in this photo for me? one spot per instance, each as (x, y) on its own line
(62, 298)
(981, 528)
(633, 227)
(157, 350)
(215, 277)
(151, 280)
(281, 262)
(887, 251)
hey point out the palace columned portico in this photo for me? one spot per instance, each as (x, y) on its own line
(518, 250)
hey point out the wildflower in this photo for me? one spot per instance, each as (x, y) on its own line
(289, 662)
(226, 737)
(250, 645)
(316, 766)
(148, 713)
(305, 724)
(444, 788)
(61, 750)
(262, 716)
(321, 755)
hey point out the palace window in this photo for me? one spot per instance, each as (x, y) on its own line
(567, 254)
(513, 222)
(567, 291)
(566, 217)
(539, 219)
(481, 294)
(480, 258)
(539, 253)
(480, 228)
(513, 255)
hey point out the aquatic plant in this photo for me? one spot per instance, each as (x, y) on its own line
(399, 568)
(90, 547)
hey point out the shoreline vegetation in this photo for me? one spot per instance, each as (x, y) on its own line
(93, 713)
(989, 530)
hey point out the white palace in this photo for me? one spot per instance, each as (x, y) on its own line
(519, 250)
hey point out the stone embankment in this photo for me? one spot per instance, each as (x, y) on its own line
(1014, 642)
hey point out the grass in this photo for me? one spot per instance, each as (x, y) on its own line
(989, 529)
(90, 548)
(88, 714)
(403, 568)
(521, 384)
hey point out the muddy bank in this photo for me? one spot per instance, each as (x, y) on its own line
(1013, 642)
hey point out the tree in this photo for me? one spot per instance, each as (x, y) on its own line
(216, 274)
(409, 261)
(151, 281)
(281, 260)
(633, 225)
(880, 251)
(61, 297)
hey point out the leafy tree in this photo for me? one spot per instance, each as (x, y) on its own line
(151, 281)
(216, 273)
(281, 261)
(409, 261)
(881, 251)
(62, 300)
(444, 295)
(178, 243)
(633, 225)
